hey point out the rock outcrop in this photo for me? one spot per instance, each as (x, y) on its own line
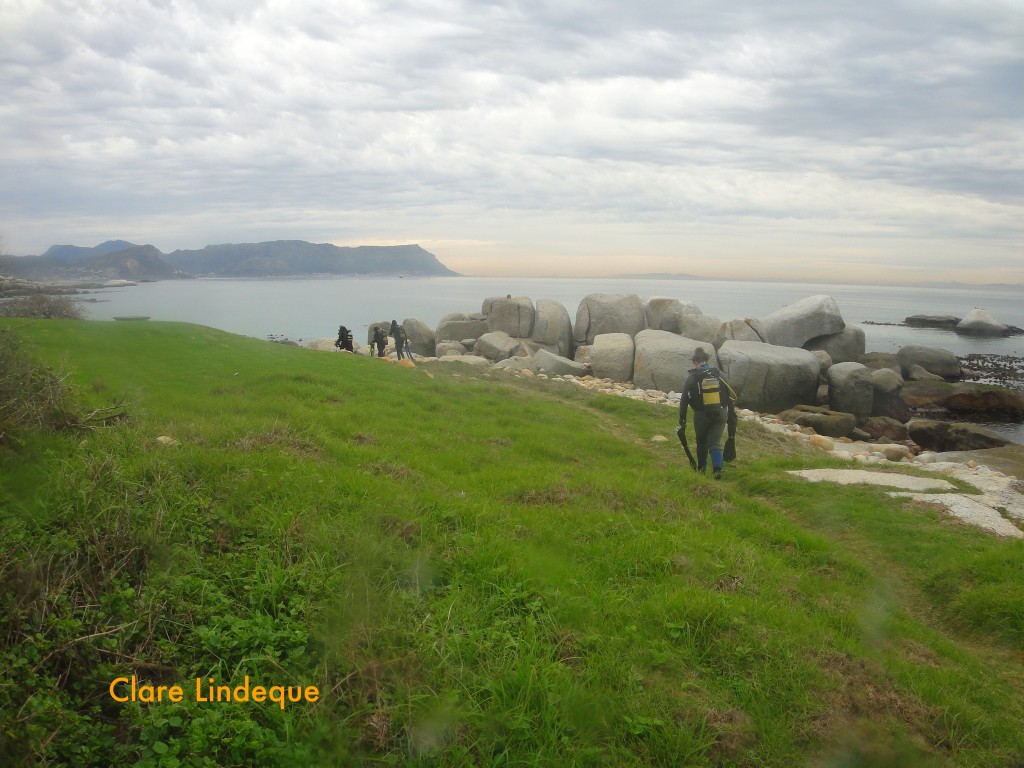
(705, 328)
(552, 327)
(457, 326)
(421, 337)
(981, 322)
(878, 360)
(682, 318)
(964, 397)
(450, 349)
(917, 373)
(474, 360)
(514, 315)
(606, 313)
(824, 361)
(940, 362)
(885, 428)
(769, 378)
(556, 365)
(797, 323)
(498, 345)
(747, 329)
(945, 322)
(888, 395)
(662, 360)
(945, 436)
(850, 389)
(846, 346)
(824, 421)
(611, 356)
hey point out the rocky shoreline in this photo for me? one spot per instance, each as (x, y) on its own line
(15, 287)
(1002, 370)
(802, 361)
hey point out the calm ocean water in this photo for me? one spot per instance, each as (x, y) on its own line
(310, 308)
(303, 309)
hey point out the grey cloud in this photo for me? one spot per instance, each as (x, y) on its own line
(640, 111)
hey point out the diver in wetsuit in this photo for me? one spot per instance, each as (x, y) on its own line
(713, 402)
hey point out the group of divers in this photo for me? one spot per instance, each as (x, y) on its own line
(706, 392)
(403, 347)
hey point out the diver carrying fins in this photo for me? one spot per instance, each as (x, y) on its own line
(714, 414)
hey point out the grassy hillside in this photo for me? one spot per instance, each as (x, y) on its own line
(472, 570)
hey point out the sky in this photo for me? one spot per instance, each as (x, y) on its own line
(859, 141)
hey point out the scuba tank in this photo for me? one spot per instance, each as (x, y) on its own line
(710, 388)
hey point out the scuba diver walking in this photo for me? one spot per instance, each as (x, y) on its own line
(713, 402)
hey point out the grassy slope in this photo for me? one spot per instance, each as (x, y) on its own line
(475, 570)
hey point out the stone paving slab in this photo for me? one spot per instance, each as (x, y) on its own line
(984, 510)
(866, 477)
(971, 511)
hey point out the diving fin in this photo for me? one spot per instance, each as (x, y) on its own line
(729, 450)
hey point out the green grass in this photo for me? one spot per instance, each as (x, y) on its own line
(475, 570)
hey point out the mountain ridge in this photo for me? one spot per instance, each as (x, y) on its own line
(120, 259)
(276, 258)
(68, 252)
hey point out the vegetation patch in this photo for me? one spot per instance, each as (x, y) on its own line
(34, 398)
(507, 574)
(982, 593)
(42, 306)
(280, 437)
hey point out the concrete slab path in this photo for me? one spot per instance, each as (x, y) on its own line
(997, 508)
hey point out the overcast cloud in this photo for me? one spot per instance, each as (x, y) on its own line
(844, 140)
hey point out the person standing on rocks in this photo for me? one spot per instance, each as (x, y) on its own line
(380, 340)
(714, 408)
(398, 334)
(344, 340)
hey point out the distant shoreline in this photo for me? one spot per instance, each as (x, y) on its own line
(789, 281)
(90, 282)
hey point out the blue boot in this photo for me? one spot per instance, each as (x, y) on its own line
(716, 463)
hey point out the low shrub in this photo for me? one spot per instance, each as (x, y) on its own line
(34, 398)
(42, 307)
(31, 395)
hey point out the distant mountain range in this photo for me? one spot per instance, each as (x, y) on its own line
(119, 259)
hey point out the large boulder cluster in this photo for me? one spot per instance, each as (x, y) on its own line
(802, 361)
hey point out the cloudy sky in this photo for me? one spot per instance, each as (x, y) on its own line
(850, 140)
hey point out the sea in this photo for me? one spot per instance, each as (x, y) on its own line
(302, 309)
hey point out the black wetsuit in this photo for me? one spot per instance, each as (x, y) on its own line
(344, 341)
(380, 340)
(709, 419)
(397, 333)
